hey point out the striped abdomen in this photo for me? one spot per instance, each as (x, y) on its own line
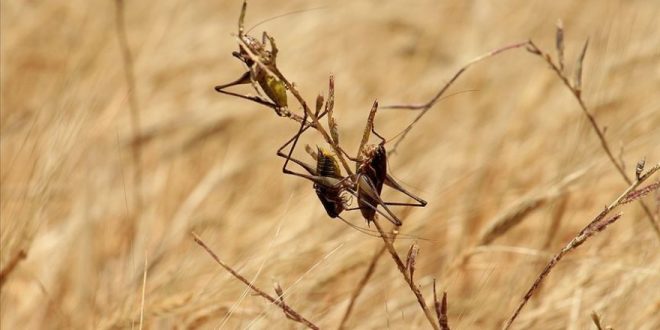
(327, 166)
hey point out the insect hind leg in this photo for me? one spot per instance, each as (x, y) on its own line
(390, 182)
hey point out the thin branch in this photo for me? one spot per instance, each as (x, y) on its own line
(402, 269)
(598, 224)
(428, 105)
(441, 309)
(600, 133)
(288, 311)
(637, 194)
(275, 72)
(133, 106)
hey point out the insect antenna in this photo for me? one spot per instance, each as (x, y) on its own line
(407, 128)
(286, 14)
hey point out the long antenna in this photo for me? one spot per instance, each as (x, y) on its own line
(416, 120)
(286, 14)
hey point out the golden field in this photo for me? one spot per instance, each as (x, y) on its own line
(509, 136)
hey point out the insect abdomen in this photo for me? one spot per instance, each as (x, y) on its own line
(373, 175)
(327, 166)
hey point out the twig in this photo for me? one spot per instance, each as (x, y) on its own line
(428, 105)
(288, 311)
(405, 273)
(598, 224)
(576, 91)
(441, 309)
(274, 71)
(637, 194)
(361, 285)
(133, 106)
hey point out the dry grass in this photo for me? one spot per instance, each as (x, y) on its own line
(208, 164)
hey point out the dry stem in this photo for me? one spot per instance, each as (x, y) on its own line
(427, 106)
(405, 273)
(274, 71)
(288, 311)
(599, 223)
(129, 75)
(576, 91)
(441, 309)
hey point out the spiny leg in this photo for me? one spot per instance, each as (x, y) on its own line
(390, 182)
(273, 47)
(420, 202)
(246, 78)
(313, 175)
(243, 79)
(319, 114)
(382, 139)
(310, 169)
(390, 216)
(294, 139)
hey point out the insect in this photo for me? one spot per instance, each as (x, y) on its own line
(336, 191)
(261, 63)
(371, 174)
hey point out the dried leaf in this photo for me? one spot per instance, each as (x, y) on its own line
(577, 84)
(559, 44)
(441, 309)
(640, 168)
(319, 105)
(329, 107)
(278, 290)
(410, 260)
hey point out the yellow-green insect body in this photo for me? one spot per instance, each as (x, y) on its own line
(274, 89)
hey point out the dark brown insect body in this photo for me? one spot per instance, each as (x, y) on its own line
(371, 176)
(331, 196)
(333, 190)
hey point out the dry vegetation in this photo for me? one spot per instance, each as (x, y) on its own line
(516, 148)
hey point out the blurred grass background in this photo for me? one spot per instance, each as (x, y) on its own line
(209, 163)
